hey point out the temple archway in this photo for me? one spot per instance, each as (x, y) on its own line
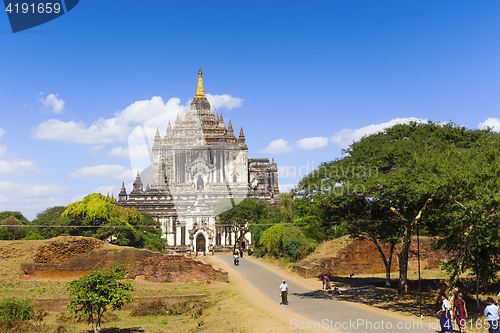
(200, 184)
(200, 243)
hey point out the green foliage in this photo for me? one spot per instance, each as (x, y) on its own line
(49, 222)
(21, 309)
(99, 291)
(125, 227)
(282, 241)
(390, 181)
(241, 217)
(20, 217)
(12, 229)
(256, 230)
(96, 209)
(33, 236)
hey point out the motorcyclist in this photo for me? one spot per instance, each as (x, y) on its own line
(236, 259)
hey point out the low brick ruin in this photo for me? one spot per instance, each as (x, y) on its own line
(73, 257)
(360, 257)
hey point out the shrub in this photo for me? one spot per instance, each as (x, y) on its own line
(16, 309)
(286, 242)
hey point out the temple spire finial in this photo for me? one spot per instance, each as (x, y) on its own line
(199, 89)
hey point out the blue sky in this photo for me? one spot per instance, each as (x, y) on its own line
(303, 79)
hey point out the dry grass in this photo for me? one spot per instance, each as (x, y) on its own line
(222, 311)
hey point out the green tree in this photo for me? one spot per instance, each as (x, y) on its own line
(12, 229)
(99, 291)
(284, 241)
(239, 218)
(124, 226)
(50, 223)
(20, 217)
(398, 171)
(469, 210)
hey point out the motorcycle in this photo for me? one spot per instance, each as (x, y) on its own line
(236, 261)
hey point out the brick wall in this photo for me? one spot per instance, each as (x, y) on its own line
(57, 263)
(363, 257)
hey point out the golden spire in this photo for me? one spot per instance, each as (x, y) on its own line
(169, 126)
(177, 118)
(199, 90)
(241, 132)
(230, 126)
(157, 132)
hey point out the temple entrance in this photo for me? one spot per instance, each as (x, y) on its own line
(199, 184)
(200, 243)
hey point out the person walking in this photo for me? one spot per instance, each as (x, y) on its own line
(326, 282)
(445, 320)
(491, 312)
(460, 312)
(284, 293)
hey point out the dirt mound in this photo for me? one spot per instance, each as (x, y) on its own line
(69, 257)
(64, 248)
(191, 307)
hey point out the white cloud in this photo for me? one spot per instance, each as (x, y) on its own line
(312, 143)
(31, 199)
(111, 172)
(287, 171)
(286, 187)
(111, 130)
(133, 152)
(94, 150)
(224, 101)
(52, 103)
(18, 166)
(347, 136)
(108, 189)
(3, 151)
(279, 146)
(2, 132)
(494, 123)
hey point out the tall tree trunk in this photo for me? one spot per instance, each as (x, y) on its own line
(477, 290)
(403, 261)
(387, 262)
(388, 267)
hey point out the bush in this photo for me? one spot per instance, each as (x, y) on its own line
(99, 291)
(156, 246)
(33, 236)
(20, 309)
(281, 241)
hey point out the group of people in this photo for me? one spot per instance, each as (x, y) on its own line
(327, 285)
(460, 313)
(237, 255)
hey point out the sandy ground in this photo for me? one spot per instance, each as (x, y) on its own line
(264, 302)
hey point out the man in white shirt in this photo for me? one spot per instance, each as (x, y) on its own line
(284, 292)
(491, 312)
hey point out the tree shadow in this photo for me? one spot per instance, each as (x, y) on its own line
(317, 294)
(121, 330)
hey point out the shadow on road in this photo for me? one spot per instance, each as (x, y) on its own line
(122, 330)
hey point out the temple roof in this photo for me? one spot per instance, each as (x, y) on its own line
(200, 125)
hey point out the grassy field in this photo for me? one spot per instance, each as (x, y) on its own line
(224, 310)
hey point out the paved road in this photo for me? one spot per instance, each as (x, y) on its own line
(327, 313)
